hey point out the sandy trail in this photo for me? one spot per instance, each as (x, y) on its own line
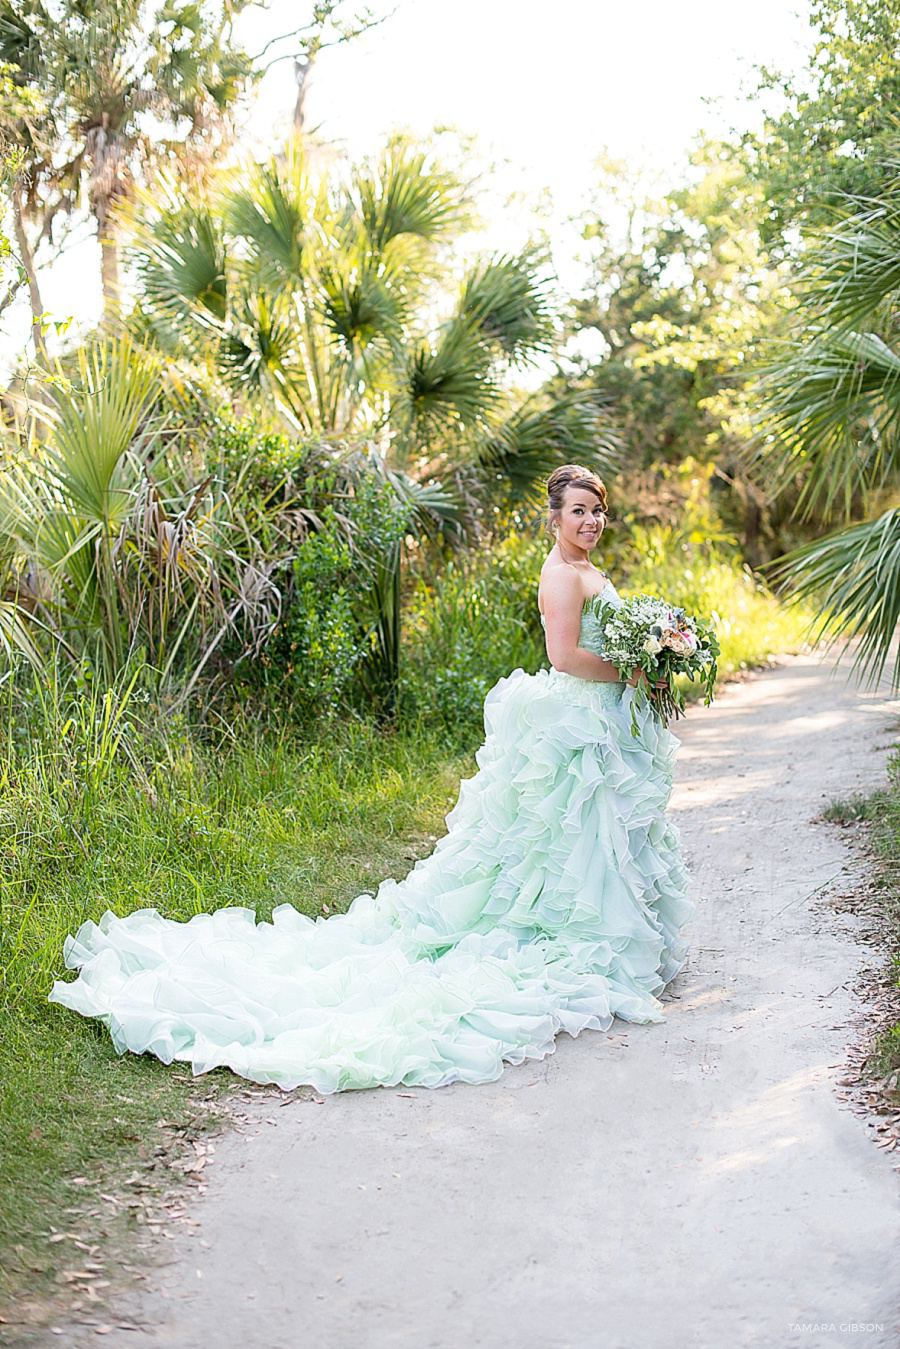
(692, 1184)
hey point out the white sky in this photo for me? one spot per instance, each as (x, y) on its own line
(543, 86)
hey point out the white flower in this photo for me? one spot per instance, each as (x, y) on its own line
(652, 646)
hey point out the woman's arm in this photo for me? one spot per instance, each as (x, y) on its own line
(563, 599)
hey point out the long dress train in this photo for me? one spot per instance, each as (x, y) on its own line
(554, 902)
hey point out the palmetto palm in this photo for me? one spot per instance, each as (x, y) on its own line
(331, 299)
(116, 89)
(832, 430)
(127, 558)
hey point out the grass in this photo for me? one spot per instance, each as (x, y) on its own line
(186, 829)
(852, 809)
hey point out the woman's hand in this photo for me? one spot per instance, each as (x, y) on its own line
(638, 676)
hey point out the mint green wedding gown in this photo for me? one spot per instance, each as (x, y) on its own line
(554, 902)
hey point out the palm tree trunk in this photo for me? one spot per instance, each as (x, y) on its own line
(107, 159)
(26, 257)
(302, 71)
(109, 265)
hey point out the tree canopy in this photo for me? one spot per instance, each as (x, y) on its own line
(830, 129)
(113, 89)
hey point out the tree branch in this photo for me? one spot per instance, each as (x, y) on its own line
(12, 291)
(315, 45)
(283, 37)
(26, 257)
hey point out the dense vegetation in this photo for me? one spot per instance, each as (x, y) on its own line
(269, 535)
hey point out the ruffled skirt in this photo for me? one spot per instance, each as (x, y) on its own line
(554, 902)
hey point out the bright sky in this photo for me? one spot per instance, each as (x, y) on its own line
(548, 85)
(543, 87)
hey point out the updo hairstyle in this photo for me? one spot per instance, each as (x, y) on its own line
(571, 475)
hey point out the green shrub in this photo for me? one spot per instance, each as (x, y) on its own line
(473, 624)
(322, 657)
(309, 660)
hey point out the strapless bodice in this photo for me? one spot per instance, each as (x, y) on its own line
(595, 694)
(590, 633)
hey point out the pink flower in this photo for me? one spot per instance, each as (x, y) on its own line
(682, 643)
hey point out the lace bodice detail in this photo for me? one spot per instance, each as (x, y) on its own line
(590, 634)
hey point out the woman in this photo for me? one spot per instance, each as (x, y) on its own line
(554, 901)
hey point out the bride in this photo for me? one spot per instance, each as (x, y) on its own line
(554, 902)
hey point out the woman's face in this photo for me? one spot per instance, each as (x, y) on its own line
(580, 521)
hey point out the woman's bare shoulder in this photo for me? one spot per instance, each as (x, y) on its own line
(560, 584)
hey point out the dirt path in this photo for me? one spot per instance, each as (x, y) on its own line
(693, 1184)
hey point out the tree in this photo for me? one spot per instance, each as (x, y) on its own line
(681, 296)
(328, 25)
(329, 301)
(831, 125)
(831, 427)
(120, 88)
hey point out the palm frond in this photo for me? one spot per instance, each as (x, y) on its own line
(96, 418)
(853, 578)
(830, 419)
(267, 209)
(181, 262)
(508, 302)
(19, 625)
(404, 195)
(258, 352)
(432, 510)
(855, 266)
(358, 303)
(446, 386)
(538, 437)
(17, 635)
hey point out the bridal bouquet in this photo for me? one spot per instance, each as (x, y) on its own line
(663, 641)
